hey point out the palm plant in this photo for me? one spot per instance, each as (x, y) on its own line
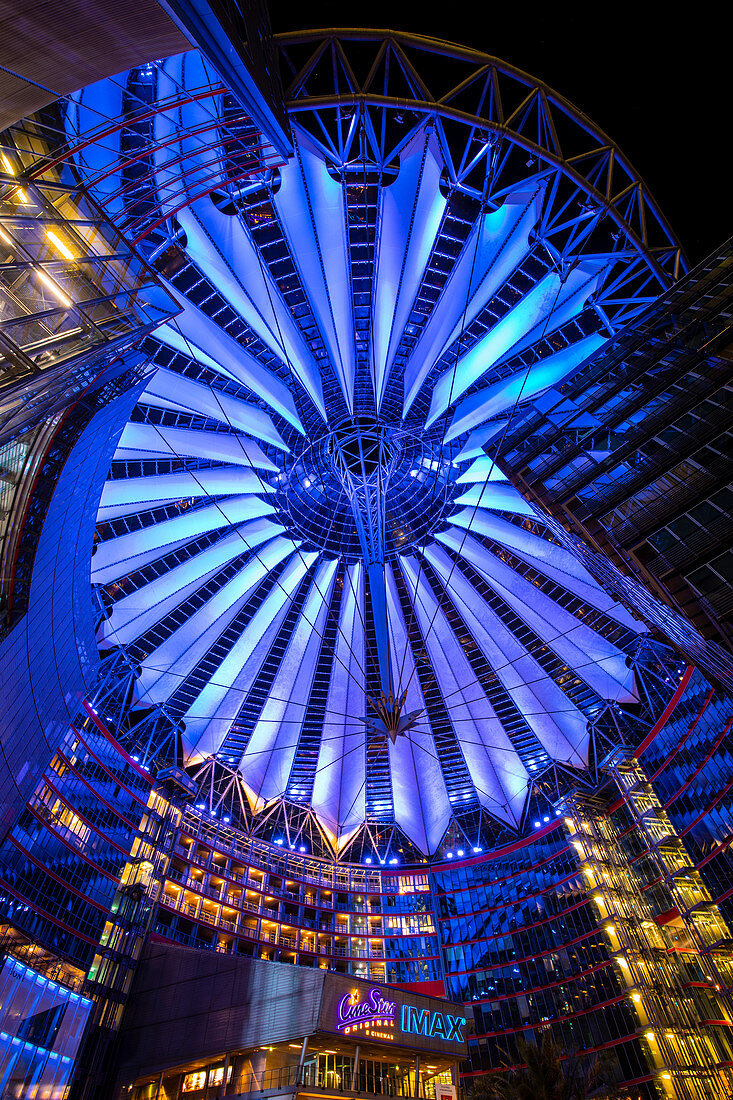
(547, 1075)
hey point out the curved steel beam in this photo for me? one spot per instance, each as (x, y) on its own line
(487, 66)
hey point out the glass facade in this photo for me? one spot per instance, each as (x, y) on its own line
(62, 860)
(41, 1027)
(75, 296)
(648, 476)
(673, 976)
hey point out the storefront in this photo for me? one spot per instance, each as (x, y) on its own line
(250, 1026)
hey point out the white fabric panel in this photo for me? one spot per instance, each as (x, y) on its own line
(599, 663)
(117, 557)
(171, 335)
(211, 714)
(421, 805)
(220, 245)
(483, 470)
(496, 245)
(270, 753)
(124, 495)
(412, 210)
(556, 722)
(173, 338)
(584, 280)
(498, 775)
(502, 497)
(521, 386)
(168, 389)
(197, 336)
(136, 613)
(205, 732)
(114, 511)
(148, 440)
(309, 199)
(477, 440)
(550, 559)
(511, 333)
(339, 789)
(172, 661)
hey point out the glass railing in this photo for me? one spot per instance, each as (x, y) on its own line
(371, 1080)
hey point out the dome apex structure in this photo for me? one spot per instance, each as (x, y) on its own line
(336, 603)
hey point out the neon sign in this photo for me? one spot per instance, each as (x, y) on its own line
(421, 1021)
(373, 1017)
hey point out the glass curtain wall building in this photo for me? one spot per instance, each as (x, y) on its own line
(310, 654)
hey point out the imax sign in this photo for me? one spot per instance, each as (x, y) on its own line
(433, 1025)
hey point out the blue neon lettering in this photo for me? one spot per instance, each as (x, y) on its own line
(455, 1028)
(437, 1026)
(415, 1021)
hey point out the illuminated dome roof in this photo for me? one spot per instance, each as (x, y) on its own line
(306, 545)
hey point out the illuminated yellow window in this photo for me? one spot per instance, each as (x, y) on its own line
(194, 1081)
(216, 1076)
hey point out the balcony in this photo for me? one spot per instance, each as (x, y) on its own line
(320, 1077)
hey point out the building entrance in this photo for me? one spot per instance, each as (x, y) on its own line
(342, 1071)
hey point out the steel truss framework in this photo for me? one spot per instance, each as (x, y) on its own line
(450, 240)
(365, 93)
(155, 740)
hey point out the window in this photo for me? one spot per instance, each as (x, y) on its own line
(192, 1082)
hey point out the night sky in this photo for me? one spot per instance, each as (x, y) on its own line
(661, 88)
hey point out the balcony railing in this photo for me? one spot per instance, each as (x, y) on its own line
(321, 1076)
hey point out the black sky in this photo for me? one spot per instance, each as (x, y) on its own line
(657, 83)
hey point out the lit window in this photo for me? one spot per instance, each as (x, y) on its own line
(216, 1076)
(194, 1081)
